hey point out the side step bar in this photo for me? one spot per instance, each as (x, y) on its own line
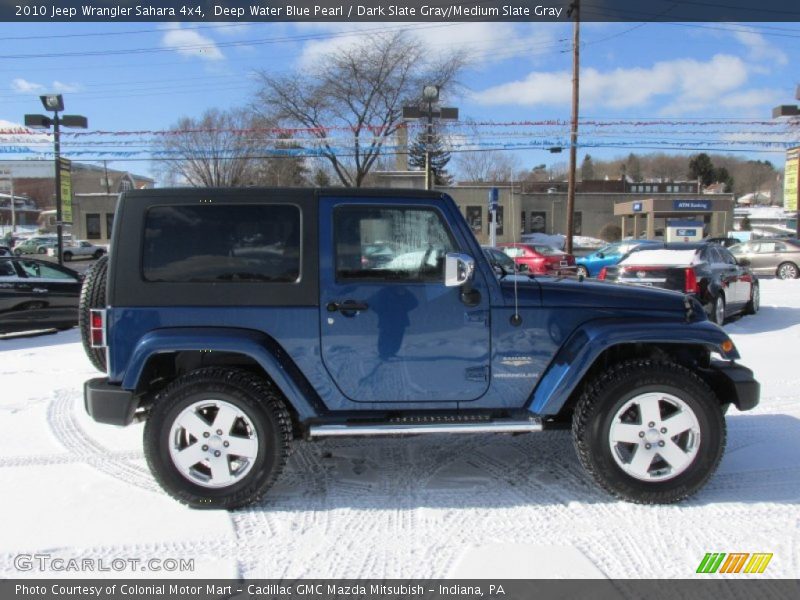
(507, 426)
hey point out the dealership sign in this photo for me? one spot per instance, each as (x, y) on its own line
(691, 205)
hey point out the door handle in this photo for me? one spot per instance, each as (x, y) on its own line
(348, 306)
(39, 290)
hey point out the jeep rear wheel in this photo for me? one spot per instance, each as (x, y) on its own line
(217, 438)
(649, 432)
(93, 295)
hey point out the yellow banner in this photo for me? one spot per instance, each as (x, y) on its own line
(65, 168)
(790, 180)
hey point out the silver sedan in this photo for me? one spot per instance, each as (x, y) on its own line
(771, 257)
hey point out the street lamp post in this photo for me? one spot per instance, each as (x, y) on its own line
(55, 104)
(430, 96)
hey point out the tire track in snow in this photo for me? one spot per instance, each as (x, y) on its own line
(70, 434)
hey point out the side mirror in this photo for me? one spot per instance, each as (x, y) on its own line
(743, 262)
(523, 268)
(601, 255)
(458, 269)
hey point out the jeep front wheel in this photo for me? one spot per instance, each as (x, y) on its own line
(217, 438)
(649, 432)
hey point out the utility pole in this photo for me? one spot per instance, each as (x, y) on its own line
(574, 12)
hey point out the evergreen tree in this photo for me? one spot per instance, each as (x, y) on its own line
(701, 167)
(587, 168)
(439, 157)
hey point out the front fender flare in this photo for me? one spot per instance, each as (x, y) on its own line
(593, 338)
(253, 344)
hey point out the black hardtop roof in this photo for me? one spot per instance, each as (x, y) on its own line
(191, 192)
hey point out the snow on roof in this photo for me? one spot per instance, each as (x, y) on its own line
(661, 257)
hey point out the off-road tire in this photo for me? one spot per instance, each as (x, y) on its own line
(93, 295)
(256, 397)
(606, 394)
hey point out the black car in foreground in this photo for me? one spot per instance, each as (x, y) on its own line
(35, 294)
(705, 270)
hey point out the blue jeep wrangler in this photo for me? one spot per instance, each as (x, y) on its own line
(238, 321)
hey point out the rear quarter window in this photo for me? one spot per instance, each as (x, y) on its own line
(222, 243)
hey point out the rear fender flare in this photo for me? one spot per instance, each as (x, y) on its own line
(253, 344)
(590, 340)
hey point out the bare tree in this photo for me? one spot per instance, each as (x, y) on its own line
(360, 90)
(229, 148)
(215, 150)
(490, 166)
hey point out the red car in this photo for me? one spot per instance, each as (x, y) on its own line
(540, 259)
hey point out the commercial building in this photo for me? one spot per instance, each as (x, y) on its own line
(95, 189)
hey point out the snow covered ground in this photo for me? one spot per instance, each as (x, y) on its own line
(461, 506)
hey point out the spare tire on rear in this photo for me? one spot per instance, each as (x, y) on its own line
(93, 295)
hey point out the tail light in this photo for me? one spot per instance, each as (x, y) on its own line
(691, 281)
(603, 273)
(97, 327)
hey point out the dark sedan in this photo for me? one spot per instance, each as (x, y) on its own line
(707, 271)
(35, 294)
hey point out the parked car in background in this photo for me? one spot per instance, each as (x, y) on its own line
(35, 245)
(727, 242)
(771, 257)
(591, 264)
(78, 249)
(35, 294)
(540, 259)
(6, 251)
(707, 271)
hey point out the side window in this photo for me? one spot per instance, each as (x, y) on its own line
(109, 224)
(93, 226)
(780, 247)
(7, 269)
(222, 242)
(37, 270)
(766, 247)
(390, 244)
(711, 255)
(513, 251)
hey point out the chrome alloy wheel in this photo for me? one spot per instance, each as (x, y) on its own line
(213, 443)
(654, 437)
(719, 310)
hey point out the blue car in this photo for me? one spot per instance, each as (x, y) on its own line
(591, 264)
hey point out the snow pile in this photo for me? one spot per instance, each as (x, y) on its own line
(558, 240)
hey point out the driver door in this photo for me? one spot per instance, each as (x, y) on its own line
(390, 329)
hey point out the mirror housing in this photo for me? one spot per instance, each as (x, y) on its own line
(601, 255)
(458, 269)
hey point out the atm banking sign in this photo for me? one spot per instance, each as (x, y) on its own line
(691, 204)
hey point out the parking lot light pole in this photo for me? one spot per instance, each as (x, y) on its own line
(55, 104)
(430, 96)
